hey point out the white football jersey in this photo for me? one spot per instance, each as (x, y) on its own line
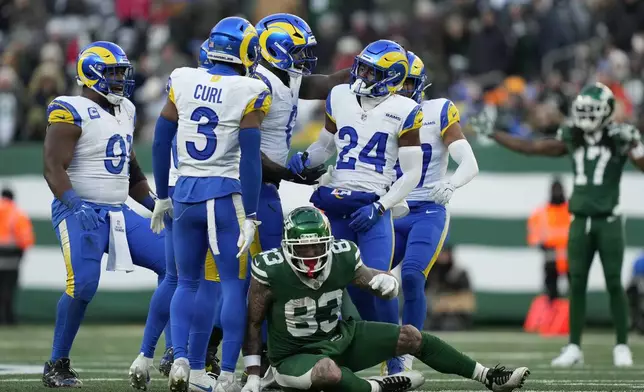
(367, 141)
(210, 109)
(100, 168)
(438, 114)
(277, 127)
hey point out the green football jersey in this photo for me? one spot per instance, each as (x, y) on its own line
(304, 311)
(598, 162)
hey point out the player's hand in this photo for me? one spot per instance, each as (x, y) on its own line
(87, 217)
(298, 162)
(481, 123)
(442, 192)
(626, 132)
(252, 384)
(385, 284)
(308, 176)
(246, 235)
(364, 218)
(161, 208)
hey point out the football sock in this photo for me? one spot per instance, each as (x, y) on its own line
(350, 382)
(618, 307)
(201, 326)
(577, 306)
(444, 358)
(158, 315)
(415, 307)
(233, 322)
(69, 314)
(216, 336)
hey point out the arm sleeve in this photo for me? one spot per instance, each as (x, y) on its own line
(164, 132)
(250, 168)
(410, 158)
(322, 149)
(461, 152)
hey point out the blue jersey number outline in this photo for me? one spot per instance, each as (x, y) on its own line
(378, 142)
(111, 155)
(427, 157)
(208, 130)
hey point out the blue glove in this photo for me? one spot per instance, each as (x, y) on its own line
(298, 162)
(364, 218)
(86, 216)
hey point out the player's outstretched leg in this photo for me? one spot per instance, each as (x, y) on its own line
(82, 252)
(444, 358)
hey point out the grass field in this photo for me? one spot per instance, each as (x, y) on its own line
(102, 356)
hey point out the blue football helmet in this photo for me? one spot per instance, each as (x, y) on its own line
(416, 78)
(203, 56)
(287, 43)
(234, 40)
(379, 70)
(104, 67)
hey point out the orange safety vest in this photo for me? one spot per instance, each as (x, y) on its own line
(548, 226)
(15, 226)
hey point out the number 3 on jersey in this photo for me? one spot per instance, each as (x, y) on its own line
(377, 141)
(207, 129)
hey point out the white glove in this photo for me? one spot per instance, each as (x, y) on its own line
(442, 192)
(626, 132)
(161, 207)
(325, 178)
(247, 235)
(400, 210)
(252, 384)
(386, 284)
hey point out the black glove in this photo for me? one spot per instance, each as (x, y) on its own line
(309, 175)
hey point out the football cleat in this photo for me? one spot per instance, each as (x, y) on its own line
(212, 363)
(499, 379)
(395, 365)
(404, 381)
(166, 362)
(140, 372)
(201, 381)
(60, 375)
(570, 355)
(228, 384)
(622, 356)
(179, 378)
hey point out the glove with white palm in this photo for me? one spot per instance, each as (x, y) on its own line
(247, 234)
(161, 208)
(442, 192)
(385, 284)
(252, 384)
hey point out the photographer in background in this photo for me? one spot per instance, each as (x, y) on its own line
(548, 229)
(450, 300)
(16, 236)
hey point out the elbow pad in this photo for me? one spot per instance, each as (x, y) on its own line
(411, 164)
(461, 151)
(322, 149)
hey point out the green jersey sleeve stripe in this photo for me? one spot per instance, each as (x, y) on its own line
(358, 265)
(257, 271)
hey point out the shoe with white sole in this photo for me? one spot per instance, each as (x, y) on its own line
(140, 372)
(179, 378)
(571, 355)
(500, 379)
(200, 381)
(227, 382)
(622, 356)
(400, 382)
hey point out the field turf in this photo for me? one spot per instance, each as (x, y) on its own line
(102, 356)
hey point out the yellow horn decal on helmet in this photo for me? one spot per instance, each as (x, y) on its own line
(416, 67)
(392, 58)
(262, 45)
(81, 75)
(105, 54)
(296, 34)
(249, 33)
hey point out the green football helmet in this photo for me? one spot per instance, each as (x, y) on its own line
(307, 240)
(593, 107)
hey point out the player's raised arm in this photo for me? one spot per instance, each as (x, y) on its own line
(319, 86)
(259, 299)
(548, 146)
(410, 157)
(164, 132)
(379, 283)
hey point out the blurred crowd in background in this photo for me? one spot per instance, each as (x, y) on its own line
(519, 61)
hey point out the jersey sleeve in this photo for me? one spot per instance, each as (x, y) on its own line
(169, 90)
(449, 116)
(413, 120)
(563, 134)
(61, 111)
(261, 102)
(327, 107)
(348, 253)
(259, 269)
